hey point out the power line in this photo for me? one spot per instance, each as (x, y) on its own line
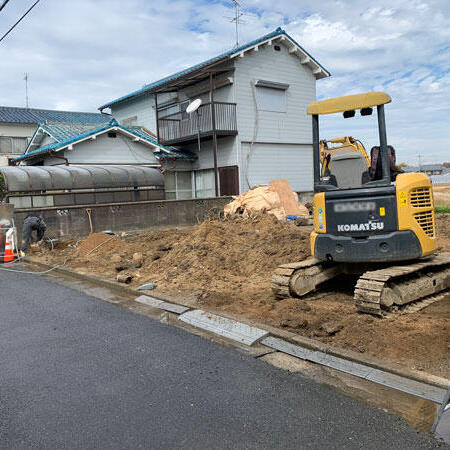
(3, 4)
(20, 20)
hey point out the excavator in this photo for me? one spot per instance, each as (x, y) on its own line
(369, 221)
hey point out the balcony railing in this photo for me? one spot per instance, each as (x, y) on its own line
(181, 127)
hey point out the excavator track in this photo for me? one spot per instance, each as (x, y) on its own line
(382, 290)
(300, 278)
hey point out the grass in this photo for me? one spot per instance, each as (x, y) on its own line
(442, 209)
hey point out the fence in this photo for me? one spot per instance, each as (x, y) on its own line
(180, 125)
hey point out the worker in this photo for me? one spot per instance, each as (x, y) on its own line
(30, 224)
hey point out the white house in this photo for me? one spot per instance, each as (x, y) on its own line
(103, 144)
(252, 124)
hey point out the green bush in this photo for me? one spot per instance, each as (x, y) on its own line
(442, 209)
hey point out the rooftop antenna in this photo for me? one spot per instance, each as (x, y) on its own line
(237, 19)
(26, 89)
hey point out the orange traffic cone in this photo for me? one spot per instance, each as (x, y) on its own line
(9, 256)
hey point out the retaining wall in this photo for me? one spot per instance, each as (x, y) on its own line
(73, 222)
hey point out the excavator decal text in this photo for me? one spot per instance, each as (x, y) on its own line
(370, 226)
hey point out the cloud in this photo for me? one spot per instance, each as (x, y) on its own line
(82, 54)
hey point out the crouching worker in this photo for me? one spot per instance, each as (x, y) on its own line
(30, 224)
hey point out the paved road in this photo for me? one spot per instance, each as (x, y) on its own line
(76, 372)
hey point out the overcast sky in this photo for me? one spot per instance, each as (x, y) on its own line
(81, 54)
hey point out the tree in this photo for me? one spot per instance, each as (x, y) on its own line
(402, 165)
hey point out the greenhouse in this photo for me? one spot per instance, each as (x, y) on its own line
(61, 186)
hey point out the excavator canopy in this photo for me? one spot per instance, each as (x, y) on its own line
(348, 103)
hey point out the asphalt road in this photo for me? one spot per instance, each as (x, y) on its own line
(77, 372)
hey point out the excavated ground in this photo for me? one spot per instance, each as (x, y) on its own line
(227, 266)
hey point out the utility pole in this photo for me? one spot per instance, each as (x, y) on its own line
(420, 162)
(26, 89)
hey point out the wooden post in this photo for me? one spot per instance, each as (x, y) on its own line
(157, 118)
(213, 123)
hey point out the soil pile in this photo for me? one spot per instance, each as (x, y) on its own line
(220, 254)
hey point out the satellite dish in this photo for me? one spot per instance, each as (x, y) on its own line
(194, 105)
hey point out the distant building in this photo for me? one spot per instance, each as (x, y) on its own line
(252, 124)
(429, 169)
(17, 126)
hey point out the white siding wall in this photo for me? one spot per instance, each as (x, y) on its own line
(226, 153)
(277, 161)
(143, 107)
(106, 150)
(283, 139)
(293, 126)
(17, 129)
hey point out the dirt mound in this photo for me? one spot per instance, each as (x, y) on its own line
(443, 231)
(93, 242)
(225, 249)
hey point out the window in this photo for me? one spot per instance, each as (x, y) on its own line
(270, 99)
(12, 145)
(178, 185)
(183, 107)
(130, 121)
(204, 183)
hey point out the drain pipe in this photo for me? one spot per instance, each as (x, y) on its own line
(52, 153)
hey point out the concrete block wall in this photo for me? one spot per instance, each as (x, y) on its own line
(74, 222)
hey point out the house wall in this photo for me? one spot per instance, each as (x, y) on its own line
(17, 129)
(14, 138)
(142, 107)
(282, 140)
(106, 150)
(291, 162)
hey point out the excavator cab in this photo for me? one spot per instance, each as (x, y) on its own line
(362, 211)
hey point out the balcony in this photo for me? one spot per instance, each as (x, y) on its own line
(183, 128)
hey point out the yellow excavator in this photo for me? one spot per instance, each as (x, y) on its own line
(369, 221)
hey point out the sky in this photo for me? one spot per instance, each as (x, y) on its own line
(82, 54)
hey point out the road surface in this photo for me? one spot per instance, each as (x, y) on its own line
(78, 372)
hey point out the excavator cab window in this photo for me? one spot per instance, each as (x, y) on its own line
(382, 165)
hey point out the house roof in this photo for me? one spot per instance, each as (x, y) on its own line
(138, 132)
(12, 114)
(279, 33)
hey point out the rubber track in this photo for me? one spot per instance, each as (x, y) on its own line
(370, 285)
(281, 277)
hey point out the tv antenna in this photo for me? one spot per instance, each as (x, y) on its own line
(26, 89)
(237, 19)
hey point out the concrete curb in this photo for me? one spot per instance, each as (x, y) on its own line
(308, 343)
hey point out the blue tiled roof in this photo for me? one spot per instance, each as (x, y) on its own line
(63, 131)
(149, 87)
(12, 114)
(165, 152)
